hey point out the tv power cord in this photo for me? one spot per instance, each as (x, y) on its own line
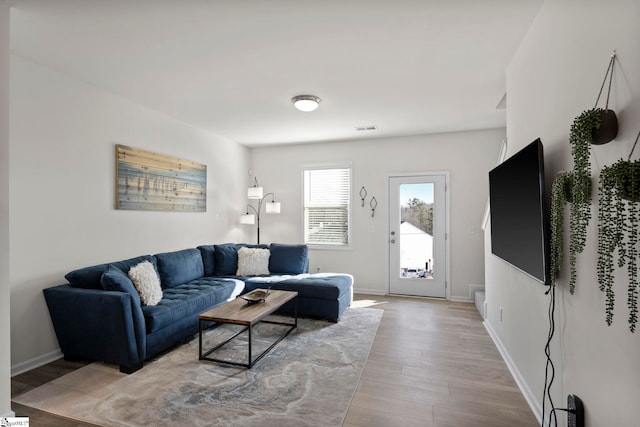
(550, 370)
(575, 408)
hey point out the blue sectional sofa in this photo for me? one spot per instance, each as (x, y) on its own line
(99, 315)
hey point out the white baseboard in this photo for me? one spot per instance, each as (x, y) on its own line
(30, 364)
(472, 294)
(460, 299)
(473, 289)
(522, 384)
(470, 298)
(369, 291)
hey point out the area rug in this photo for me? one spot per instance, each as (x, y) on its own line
(308, 379)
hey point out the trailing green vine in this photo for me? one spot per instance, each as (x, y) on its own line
(580, 194)
(609, 236)
(559, 197)
(562, 191)
(618, 229)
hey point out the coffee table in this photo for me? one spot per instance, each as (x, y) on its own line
(239, 312)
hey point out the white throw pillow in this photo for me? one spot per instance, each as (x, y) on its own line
(147, 283)
(253, 261)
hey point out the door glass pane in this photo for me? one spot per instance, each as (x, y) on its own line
(416, 230)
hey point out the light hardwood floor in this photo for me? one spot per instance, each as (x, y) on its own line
(432, 363)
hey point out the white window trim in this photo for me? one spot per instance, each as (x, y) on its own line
(330, 165)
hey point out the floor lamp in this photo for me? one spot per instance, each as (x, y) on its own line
(256, 193)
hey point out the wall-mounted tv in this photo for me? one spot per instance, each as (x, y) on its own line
(519, 216)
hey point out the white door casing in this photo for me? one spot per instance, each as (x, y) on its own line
(418, 261)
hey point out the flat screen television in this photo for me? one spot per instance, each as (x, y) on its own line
(519, 215)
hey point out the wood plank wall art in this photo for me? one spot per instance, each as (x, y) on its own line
(154, 182)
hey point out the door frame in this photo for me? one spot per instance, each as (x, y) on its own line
(447, 249)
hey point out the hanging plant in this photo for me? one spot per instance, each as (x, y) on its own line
(562, 192)
(580, 186)
(594, 126)
(618, 228)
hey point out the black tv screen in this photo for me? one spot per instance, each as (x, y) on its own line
(519, 221)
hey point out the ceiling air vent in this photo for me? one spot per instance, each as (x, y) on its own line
(363, 128)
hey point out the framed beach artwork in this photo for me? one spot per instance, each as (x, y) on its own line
(155, 182)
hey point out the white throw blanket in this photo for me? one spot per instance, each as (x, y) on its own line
(280, 278)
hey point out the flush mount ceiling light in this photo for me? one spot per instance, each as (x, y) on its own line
(306, 102)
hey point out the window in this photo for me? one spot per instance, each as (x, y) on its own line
(327, 207)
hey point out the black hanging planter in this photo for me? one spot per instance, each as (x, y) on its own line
(608, 129)
(628, 176)
(629, 181)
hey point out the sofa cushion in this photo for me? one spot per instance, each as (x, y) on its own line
(114, 279)
(89, 277)
(226, 257)
(253, 262)
(208, 253)
(288, 259)
(179, 267)
(145, 279)
(187, 299)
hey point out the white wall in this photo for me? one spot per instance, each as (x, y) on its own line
(5, 329)
(63, 136)
(555, 75)
(466, 155)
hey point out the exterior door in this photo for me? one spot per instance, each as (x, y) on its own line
(417, 235)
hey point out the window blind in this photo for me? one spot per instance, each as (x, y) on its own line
(326, 206)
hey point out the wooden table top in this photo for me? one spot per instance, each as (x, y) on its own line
(240, 312)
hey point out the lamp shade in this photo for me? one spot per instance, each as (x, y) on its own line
(247, 219)
(272, 207)
(254, 193)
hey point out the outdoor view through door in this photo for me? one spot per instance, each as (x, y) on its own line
(416, 230)
(417, 235)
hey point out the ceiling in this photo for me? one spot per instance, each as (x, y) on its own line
(231, 66)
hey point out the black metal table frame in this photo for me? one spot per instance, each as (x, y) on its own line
(251, 361)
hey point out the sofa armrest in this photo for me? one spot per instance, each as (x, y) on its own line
(97, 325)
